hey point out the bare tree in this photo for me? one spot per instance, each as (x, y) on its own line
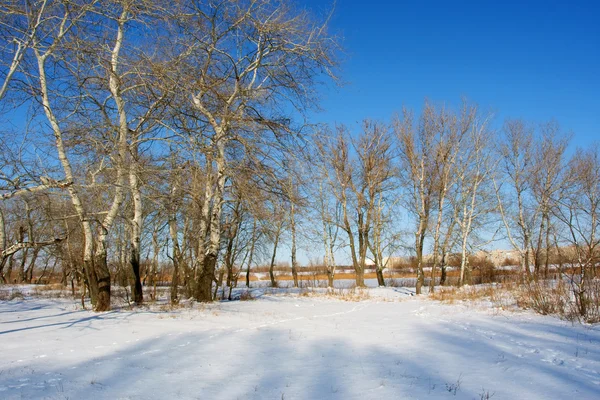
(359, 182)
(579, 212)
(427, 152)
(275, 228)
(548, 164)
(451, 130)
(20, 23)
(475, 195)
(516, 152)
(245, 60)
(95, 251)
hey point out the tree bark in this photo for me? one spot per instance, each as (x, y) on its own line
(103, 277)
(136, 231)
(380, 280)
(208, 262)
(272, 265)
(251, 254)
(293, 231)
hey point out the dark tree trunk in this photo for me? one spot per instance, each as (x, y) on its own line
(420, 272)
(547, 252)
(380, 280)
(103, 275)
(175, 279)
(22, 276)
(330, 277)
(11, 264)
(360, 276)
(91, 280)
(293, 229)
(251, 254)
(272, 266)
(2, 264)
(206, 277)
(136, 286)
(444, 275)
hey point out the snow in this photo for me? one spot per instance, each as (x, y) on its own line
(287, 346)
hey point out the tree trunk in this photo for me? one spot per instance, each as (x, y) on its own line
(11, 264)
(208, 262)
(205, 279)
(525, 260)
(537, 262)
(251, 254)
(175, 279)
(136, 285)
(272, 266)
(136, 230)
(176, 258)
(293, 229)
(463, 268)
(360, 277)
(436, 237)
(420, 239)
(380, 280)
(22, 276)
(547, 249)
(103, 278)
(2, 264)
(330, 277)
(443, 269)
(29, 271)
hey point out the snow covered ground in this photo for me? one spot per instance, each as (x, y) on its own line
(390, 346)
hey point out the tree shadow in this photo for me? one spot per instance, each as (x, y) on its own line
(308, 360)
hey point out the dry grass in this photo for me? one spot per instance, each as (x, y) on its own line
(558, 298)
(14, 294)
(352, 294)
(50, 286)
(246, 296)
(554, 297)
(544, 297)
(451, 294)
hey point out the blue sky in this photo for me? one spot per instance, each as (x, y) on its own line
(532, 59)
(536, 60)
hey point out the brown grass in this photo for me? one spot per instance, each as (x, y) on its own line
(246, 296)
(467, 293)
(6, 295)
(352, 294)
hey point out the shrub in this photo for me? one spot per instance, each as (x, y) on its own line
(544, 297)
(246, 296)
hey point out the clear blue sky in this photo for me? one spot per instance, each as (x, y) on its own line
(537, 60)
(532, 59)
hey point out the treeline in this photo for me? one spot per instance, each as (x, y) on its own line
(134, 132)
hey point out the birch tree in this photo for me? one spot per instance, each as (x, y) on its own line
(417, 149)
(579, 213)
(246, 59)
(20, 23)
(451, 130)
(516, 153)
(475, 195)
(326, 206)
(548, 165)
